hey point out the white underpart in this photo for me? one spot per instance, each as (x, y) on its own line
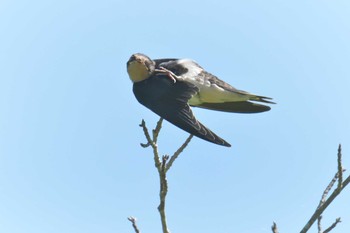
(208, 92)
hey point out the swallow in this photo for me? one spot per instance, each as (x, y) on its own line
(169, 87)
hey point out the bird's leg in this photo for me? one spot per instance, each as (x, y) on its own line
(170, 74)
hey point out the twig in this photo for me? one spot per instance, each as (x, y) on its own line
(323, 199)
(133, 221)
(151, 142)
(338, 220)
(319, 225)
(274, 228)
(157, 130)
(340, 168)
(161, 165)
(163, 192)
(324, 203)
(178, 152)
(328, 188)
(145, 131)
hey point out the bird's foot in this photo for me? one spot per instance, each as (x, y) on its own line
(170, 74)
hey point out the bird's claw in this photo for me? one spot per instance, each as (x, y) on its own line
(170, 74)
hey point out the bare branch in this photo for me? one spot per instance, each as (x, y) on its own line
(274, 228)
(319, 225)
(340, 168)
(326, 191)
(338, 220)
(151, 142)
(178, 152)
(346, 182)
(145, 131)
(163, 192)
(162, 166)
(157, 130)
(133, 221)
(324, 203)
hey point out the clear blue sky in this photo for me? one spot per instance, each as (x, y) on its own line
(70, 159)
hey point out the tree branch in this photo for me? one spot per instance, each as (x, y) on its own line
(324, 203)
(162, 193)
(152, 142)
(326, 191)
(162, 166)
(274, 228)
(319, 225)
(340, 169)
(338, 220)
(157, 130)
(133, 221)
(178, 152)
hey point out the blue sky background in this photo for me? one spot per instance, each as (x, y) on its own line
(70, 159)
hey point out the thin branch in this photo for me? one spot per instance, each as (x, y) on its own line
(328, 188)
(319, 225)
(157, 130)
(274, 228)
(340, 168)
(162, 166)
(151, 142)
(133, 221)
(145, 131)
(178, 152)
(325, 202)
(338, 220)
(163, 192)
(346, 182)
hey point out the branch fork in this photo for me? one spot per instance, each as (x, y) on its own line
(163, 164)
(325, 202)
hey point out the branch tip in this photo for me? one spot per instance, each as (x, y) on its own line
(274, 228)
(178, 152)
(143, 123)
(165, 158)
(145, 145)
(319, 225)
(326, 201)
(340, 169)
(337, 220)
(133, 221)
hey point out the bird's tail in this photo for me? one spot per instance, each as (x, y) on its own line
(262, 99)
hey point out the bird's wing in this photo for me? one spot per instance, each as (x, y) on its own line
(236, 107)
(185, 69)
(214, 93)
(164, 60)
(215, 80)
(170, 101)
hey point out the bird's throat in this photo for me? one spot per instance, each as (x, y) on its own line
(137, 71)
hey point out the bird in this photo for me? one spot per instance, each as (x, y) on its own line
(170, 87)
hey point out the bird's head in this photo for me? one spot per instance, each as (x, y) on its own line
(140, 67)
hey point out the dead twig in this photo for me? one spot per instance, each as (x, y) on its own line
(338, 220)
(162, 166)
(340, 169)
(319, 225)
(325, 202)
(163, 192)
(274, 228)
(178, 152)
(133, 221)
